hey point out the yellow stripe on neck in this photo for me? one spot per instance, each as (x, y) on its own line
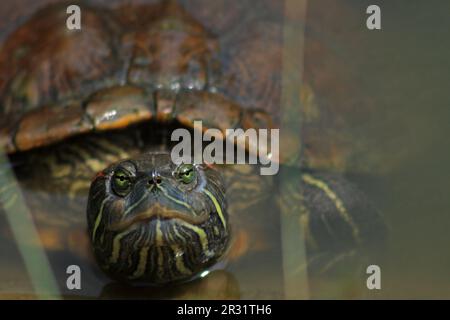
(337, 202)
(218, 207)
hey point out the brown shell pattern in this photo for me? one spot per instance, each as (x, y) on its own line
(124, 66)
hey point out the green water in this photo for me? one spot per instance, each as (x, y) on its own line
(407, 73)
(404, 69)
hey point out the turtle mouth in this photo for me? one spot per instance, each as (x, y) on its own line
(159, 211)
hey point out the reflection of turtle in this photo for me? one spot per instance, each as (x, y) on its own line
(65, 95)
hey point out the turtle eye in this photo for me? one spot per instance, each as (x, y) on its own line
(121, 182)
(186, 173)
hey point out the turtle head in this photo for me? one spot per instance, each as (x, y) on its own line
(153, 221)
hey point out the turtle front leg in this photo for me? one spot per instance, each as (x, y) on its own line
(342, 232)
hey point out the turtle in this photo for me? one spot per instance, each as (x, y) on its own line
(86, 117)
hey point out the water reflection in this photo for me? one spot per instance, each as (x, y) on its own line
(218, 284)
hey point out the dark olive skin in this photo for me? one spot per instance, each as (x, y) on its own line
(155, 222)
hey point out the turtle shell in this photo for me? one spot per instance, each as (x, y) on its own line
(122, 68)
(132, 63)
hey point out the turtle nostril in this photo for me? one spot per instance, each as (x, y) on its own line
(155, 179)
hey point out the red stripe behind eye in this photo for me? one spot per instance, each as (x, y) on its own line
(209, 165)
(98, 175)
